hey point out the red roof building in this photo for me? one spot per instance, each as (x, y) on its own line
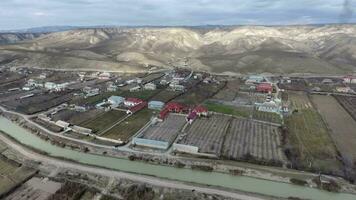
(163, 114)
(264, 87)
(137, 107)
(174, 107)
(200, 110)
(132, 101)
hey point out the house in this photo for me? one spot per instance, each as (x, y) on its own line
(79, 108)
(349, 79)
(155, 105)
(327, 81)
(89, 92)
(115, 101)
(176, 87)
(254, 80)
(137, 107)
(136, 88)
(174, 107)
(344, 89)
(271, 106)
(55, 86)
(163, 82)
(50, 85)
(130, 102)
(264, 87)
(150, 86)
(42, 76)
(62, 124)
(111, 87)
(104, 76)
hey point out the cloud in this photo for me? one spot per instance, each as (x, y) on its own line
(24, 13)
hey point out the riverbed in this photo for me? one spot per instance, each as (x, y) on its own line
(242, 183)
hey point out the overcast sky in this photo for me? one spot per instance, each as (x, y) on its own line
(17, 14)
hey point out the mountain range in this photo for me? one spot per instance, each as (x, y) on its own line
(327, 49)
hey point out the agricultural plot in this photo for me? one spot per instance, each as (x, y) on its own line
(342, 126)
(248, 140)
(104, 121)
(296, 85)
(207, 134)
(309, 143)
(229, 92)
(299, 100)
(166, 95)
(349, 104)
(165, 131)
(199, 93)
(81, 117)
(267, 116)
(131, 125)
(151, 77)
(12, 174)
(41, 102)
(227, 109)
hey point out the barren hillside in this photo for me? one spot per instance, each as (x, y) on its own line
(329, 49)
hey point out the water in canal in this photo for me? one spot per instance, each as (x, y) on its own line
(242, 183)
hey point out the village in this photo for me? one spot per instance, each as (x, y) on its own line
(180, 112)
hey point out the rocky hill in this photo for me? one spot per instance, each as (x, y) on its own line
(329, 49)
(8, 38)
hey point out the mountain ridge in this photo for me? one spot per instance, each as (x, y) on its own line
(242, 49)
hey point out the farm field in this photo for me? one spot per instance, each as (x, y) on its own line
(12, 174)
(199, 93)
(207, 134)
(166, 95)
(309, 143)
(349, 104)
(299, 100)
(165, 131)
(229, 92)
(129, 126)
(81, 117)
(227, 109)
(253, 141)
(151, 77)
(267, 116)
(104, 121)
(342, 125)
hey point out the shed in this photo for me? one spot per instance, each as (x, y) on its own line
(116, 100)
(155, 105)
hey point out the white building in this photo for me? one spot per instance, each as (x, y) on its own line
(115, 101)
(150, 86)
(104, 76)
(177, 87)
(136, 88)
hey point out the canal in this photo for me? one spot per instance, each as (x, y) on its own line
(242, 183)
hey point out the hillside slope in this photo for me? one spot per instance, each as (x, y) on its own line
(329, 49)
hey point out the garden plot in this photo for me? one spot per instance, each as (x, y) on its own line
(299, 100)
(165, 131)
(207, 134)
(104, 121)
(247, 139)
(349, 103)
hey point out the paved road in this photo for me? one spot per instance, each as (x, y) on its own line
(46, 160)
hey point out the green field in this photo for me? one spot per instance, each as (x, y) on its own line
(230, 110)
(199, 93)
(104, 120)
(165, 95)
(310, 140)
(129, 126)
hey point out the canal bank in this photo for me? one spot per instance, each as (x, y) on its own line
(242, 183)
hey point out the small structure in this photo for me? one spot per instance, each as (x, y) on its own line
(89, 92)
(80, 108)
(201, 111)
(136, 108)
(115, 101)
(271, 106)
(155, 105)
(135, 88)
(327, 81)
(130, 102)
(176, 87)
(62, 124)
(111, 87)
(104, 76)
(344, 89)
(150, 86)
(264, 87)
(191, 117)
(349, 79)
(254, 80)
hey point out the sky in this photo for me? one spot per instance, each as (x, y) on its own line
(18, 14)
